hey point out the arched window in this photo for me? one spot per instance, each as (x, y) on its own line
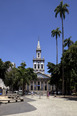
(41, 66)
(38, 55)
(35, 66)
(38, 66)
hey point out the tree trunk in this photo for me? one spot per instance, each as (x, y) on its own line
(23, 88)
(56, 89)
(62, 56)
(56, 51)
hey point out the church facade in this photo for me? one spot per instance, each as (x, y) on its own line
(42, 82)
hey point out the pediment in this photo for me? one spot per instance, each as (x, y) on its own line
(41, 75)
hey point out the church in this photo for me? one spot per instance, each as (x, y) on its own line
(42, 82)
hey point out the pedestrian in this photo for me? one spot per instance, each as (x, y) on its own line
(32, 93)
(6, 91)
(39, 95)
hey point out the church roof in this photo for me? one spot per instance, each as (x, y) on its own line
(43, 75)
(38, 46)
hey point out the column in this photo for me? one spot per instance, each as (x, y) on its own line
(33, 65)
(33, 85)
(36, 66)
(40, 66)
(40, 85)
(47, 86)
(36, 85)
(44, 85)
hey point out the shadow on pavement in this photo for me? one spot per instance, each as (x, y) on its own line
(17, 107)
(74, 98)
(71, 98)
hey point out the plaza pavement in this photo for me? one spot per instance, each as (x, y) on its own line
(52, 106)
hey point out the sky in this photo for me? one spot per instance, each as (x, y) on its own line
(22, 22)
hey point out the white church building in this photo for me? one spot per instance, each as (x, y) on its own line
(42, 82)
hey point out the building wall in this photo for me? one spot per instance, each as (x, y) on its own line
(39, 85)
(42, 79)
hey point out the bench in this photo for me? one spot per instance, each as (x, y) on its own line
(13, 96)
(19, 98)
(16, 97)
(5, 100)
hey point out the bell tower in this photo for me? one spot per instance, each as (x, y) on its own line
(38, 62)
(38, 50)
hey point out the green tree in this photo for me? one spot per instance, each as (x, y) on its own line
(25, 75)
(1, 69)
(62, 9)
(69, 60)
(12, 80)
(18, 77)
(68, 42)
(55, 79)
(51, 67)
(56, 33)
(4, 66)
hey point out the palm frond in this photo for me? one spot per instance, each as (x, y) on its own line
(66, 10)
(65, 5)
(68, 42)
(62, 9)
(64, 15)
(55, 32)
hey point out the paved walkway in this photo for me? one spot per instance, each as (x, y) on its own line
(14, 108)
(50, 107)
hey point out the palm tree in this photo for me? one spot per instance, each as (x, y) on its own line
(62, 9)
(68, 42)
(56, 33)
